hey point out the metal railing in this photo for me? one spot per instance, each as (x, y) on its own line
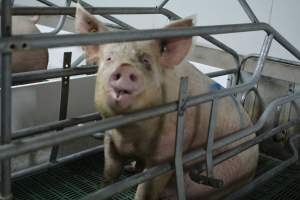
(8, 43)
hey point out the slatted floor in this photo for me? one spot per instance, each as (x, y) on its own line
(68, 182)
(78, 178)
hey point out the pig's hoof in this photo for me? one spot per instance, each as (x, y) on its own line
(133, 167)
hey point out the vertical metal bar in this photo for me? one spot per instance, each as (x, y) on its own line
(249, 11)
(262, 58)
(65, 82)
(279, 136)
(5, 187)
(183, 94)
(210, 138)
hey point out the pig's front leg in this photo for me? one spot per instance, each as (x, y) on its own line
(112, 162)
(152, 189)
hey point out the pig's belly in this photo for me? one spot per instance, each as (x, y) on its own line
(235, 172)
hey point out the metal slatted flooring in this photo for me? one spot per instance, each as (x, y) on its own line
(71, 181)
(78, 178)
(285, 186)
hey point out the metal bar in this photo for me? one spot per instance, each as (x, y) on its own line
(277, 112)
(40, 75)
(64, 99)
(50, 139)
(269, 174)
(163, 4)
(222, 72)
(273, 59)
(48, 3)
(93, 10)
(6, 20)
(61, 21)
(118, 22)
(249, 11)
(245, 94)
(164, 168)
(31, 131)
(59, 161)
(78, 60)
(106, 16)
(183, 94)
(198, 168)
(210, 138)
(26, 42)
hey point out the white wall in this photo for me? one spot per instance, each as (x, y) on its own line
(282, 15)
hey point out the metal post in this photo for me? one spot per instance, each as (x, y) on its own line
(210, 139)
(5, 186)
(183, 94)
(65, 82)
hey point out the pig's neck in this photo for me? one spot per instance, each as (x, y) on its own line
(138, 138)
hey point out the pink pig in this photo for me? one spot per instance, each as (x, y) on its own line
(138, 75)
(23, 61)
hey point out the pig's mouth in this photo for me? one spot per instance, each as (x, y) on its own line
(121, 99)
(120, 93)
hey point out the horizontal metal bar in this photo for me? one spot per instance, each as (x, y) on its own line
(93, 10)
(221, 72)
(59, 161)
(40, 75)
(51, 126)
(273, 59)
(29, 42)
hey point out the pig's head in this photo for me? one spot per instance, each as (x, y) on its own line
(131, 75)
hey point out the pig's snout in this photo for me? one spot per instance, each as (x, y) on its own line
(126, 79)
(125, 83)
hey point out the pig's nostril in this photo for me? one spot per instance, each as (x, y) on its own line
(133, 77)
(116, 76)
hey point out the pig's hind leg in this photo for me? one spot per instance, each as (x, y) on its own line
(112, 162)
(235, 172)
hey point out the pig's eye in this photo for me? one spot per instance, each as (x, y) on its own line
(147, 63)
(108, 59)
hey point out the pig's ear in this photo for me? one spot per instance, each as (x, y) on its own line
(87, 23)
(174, 50)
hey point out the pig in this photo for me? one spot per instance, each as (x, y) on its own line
(23, 61)
(139, 75)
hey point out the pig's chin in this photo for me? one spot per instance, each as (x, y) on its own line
(120, 101)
